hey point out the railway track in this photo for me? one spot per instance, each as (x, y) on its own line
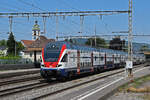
(18, 80)
(24, 88)
(41, 84)
(16, 73)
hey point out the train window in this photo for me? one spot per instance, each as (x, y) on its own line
(95, 58)
(102, 58)
(115, 58)
(65, 58)
(110, 58)
(73, 58)
(89, 64)
(83, 64)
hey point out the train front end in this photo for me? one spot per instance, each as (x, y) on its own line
(52, 56)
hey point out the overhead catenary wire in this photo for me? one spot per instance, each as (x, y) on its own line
(67, 13)
(66, 4)
(33, 5)
(10, 10)
(73, 8)
(30, 4)
(14, 7)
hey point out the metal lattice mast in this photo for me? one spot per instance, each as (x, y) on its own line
(130, 31)
(44, 23)
(95, 36)
(56, 27)
(10, 24)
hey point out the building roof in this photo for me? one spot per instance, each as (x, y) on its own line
(26, 43)
(38, 44)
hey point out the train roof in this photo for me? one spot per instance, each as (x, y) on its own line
(86, 48)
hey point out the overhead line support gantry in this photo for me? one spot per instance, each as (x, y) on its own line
(49, 14)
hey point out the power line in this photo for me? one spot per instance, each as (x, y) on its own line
(30, 4)
(3, 8)
(68, 5)
(13, 6)
(103, 35)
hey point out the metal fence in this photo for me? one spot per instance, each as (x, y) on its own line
(16, 61)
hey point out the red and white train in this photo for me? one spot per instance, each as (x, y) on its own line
(63, 60)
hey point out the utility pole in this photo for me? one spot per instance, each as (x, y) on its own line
(15, 48)
(10, 29)
(44, 23)
(95, 36)
(10, 24)
(81, 24)
(130, 63)
(56, 26)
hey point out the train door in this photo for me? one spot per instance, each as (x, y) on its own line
(92, 66)
(72, 55)
(95, 59)
(102, 59)
(78, 62)
(108, 61)
(105, 66)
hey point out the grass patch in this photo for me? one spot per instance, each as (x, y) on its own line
(10, 58)
(137, 82)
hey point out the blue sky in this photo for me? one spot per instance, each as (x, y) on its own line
(22, 27)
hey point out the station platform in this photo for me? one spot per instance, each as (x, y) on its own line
(109, 89)
(16, 72)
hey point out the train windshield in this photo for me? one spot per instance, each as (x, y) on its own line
(51, 53)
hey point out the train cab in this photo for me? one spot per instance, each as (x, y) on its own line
(54, 58)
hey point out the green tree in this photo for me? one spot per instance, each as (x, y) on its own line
(11, 44)
(99, 42)
(144, 48)
(19, 47)
(69, 40)
(117, 44)
(3, 43)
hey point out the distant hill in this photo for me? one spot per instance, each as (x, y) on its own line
(136, 46)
